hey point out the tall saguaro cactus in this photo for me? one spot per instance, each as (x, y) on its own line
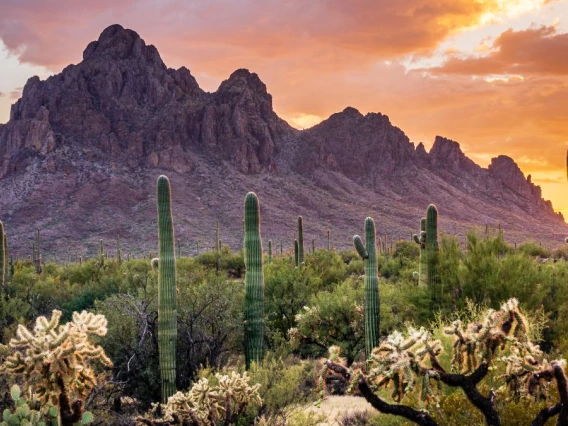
(38, 259)
(269, 258)
(167, 313)
(254, 282)
(300, 240)
(3, 260)
(422, 266)
(432, 248)
(368, 253)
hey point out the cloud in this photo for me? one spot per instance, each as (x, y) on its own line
(16, 93)
(53, 33)
(531, 51)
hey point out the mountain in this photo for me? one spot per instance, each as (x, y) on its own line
(82, 150)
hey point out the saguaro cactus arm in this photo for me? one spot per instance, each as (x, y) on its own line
(372, 308)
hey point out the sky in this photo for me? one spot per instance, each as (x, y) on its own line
(489, 74)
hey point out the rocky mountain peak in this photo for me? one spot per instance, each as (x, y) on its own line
(505, 169)
(85, 145)
(447, 156)
(118, 43)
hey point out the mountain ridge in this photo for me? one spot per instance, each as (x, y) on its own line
(108, 126)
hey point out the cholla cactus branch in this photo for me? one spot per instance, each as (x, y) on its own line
(207, 405)
(55, 353)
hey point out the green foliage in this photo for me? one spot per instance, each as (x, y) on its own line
(287, 290)
(332, 318)
(23, 414)
(534, 249)
(209, 325)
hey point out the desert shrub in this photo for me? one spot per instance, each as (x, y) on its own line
(332, 318)
(209, 329)
(327, 266)
(534, 249)
(287, 290)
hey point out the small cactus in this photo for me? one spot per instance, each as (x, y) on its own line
(269, 258)
(24, 415)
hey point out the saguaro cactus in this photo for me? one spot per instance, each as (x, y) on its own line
(217, 240)
(296, 253)
(421, 241)
(432, 249)
(101, 252)
(254, 282)
(269, 258)
(167, 313)
(3, 259)
(300, 240)
(368, 253)
(38, 260)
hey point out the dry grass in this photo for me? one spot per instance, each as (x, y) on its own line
(334, 407)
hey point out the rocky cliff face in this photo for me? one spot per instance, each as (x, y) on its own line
(82, 149)
(121, 100)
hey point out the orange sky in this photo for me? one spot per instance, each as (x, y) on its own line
(490, 74)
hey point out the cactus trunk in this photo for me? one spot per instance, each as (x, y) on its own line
(269, 258)
(296, 250)
(39, 260)
(368, 253)
(254, 282)
(3, 259)
(167, 313)
(300, 240)
(432, 249)
(423, 263)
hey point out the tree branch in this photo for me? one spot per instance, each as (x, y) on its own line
(419, 417)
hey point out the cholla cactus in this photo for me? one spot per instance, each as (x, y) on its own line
(56, 359)
(408, 359)
(207, 405)
(399, 360)
(479, 341)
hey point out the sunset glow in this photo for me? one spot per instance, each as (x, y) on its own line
(490, 74)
